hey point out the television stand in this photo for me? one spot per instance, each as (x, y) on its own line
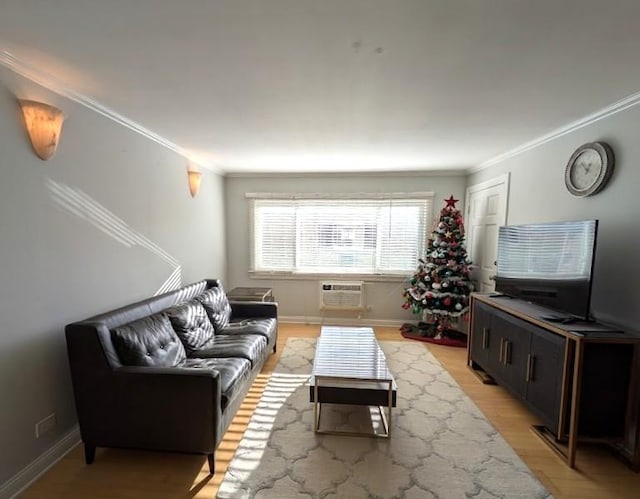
(579, 379)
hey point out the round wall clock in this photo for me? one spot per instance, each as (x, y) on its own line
(589, 169)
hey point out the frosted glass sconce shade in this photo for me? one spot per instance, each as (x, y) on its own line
(194, 182)
(43, 123)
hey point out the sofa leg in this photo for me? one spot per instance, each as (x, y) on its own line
(89, 453)
(275, 347)
(212, 463)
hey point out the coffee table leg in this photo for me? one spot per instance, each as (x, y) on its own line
(390, 406)
(386, 418)
(385, 423)
(316, 406)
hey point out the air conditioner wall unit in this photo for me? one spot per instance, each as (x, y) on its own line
(341, 295)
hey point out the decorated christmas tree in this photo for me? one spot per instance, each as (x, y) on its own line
(440, 286)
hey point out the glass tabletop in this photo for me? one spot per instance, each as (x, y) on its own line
(350, 352)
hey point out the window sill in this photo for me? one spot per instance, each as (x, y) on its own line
(288, 276)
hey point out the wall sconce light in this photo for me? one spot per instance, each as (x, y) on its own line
(43, 123)
(195, 177)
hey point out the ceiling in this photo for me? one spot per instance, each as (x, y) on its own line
(336, 85)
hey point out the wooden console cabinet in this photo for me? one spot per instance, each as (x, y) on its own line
(578, 378)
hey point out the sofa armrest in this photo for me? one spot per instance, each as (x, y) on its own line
(155, 408)
(254, 309)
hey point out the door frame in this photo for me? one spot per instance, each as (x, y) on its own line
(492, 182)
(504, 180)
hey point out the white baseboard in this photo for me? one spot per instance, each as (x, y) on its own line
(340, 321)
(21, 480)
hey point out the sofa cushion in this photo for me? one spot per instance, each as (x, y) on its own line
(262, 327)
(247, 346)
(150, 342)
(234, 373)
(217, 306)
(191, 324)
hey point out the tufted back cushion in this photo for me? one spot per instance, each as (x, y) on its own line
(150, 342)
(191, 324)
(214, 301)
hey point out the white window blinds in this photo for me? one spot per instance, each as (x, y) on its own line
(364, 234)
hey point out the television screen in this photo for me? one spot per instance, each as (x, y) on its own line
(550, 264)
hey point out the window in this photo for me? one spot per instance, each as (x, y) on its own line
(357, 234)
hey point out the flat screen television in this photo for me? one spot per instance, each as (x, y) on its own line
(550, 264)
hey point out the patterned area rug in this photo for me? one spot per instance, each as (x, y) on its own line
(441, 445)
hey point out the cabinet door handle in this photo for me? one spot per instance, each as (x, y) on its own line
(531, 362)
(485, 337)
(533, 368)
(502, 342)
(507, 353)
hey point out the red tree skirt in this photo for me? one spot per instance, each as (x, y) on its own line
(439, 341)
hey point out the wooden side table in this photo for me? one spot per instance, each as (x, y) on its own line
(250, 294)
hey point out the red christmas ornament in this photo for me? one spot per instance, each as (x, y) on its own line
(447, 301)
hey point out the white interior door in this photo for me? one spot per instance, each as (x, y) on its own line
(486, 207)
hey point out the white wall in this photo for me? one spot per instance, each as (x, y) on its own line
(537, 194)
(299, 298)
(63, 258)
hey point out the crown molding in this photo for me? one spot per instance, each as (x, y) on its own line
(368, 173)
(352, 195)
(603, 113)
(22, 68)
(340, 321)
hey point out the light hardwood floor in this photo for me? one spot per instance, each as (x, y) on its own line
(120, 474)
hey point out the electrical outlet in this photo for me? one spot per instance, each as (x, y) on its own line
(46, 425)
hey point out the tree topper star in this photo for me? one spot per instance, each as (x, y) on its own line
(451, 203)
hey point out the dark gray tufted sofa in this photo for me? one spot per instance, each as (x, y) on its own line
(168, 373)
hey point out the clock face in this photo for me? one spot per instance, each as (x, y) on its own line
(586, 169)
(589, 169)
